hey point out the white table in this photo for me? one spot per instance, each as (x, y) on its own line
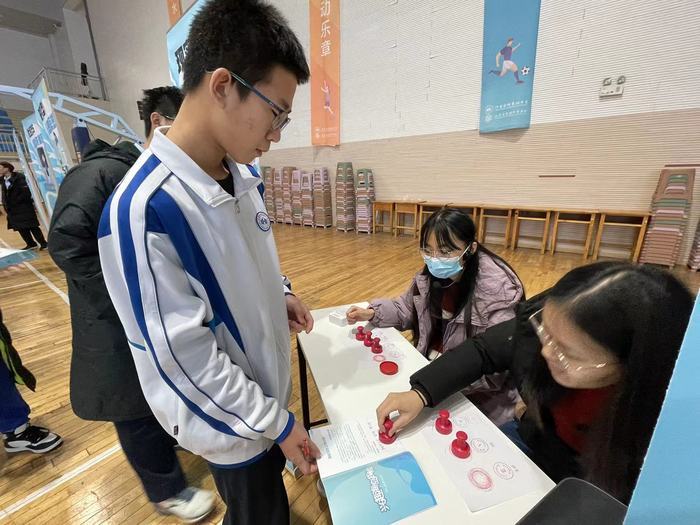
(351, 392)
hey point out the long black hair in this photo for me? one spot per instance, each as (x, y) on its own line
(450, 226)
(639, 314)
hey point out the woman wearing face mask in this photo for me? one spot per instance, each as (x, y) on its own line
(462, 290)
(592, 358)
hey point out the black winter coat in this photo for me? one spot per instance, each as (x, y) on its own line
(103, 381)
(18, 202)
(510, 346)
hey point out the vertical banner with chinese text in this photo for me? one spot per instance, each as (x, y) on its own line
(508, 64)
(324, 17)
(31, 181)
(43, 166)
(174, 11)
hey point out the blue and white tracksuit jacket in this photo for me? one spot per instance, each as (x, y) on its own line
(194, 276)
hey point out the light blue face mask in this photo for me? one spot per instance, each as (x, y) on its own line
(444, 267)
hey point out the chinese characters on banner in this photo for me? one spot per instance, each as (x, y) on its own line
(324, 16)
(174, 11)
(508, 67)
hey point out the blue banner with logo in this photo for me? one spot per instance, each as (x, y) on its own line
(508, 64)
(44, 166)
(31, 180)
(177, 43)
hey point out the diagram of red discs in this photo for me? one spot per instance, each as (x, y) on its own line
(389, 368)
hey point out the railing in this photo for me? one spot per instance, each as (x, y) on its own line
(73, 84)
(7, 143)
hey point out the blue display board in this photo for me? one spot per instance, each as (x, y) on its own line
(667, 490)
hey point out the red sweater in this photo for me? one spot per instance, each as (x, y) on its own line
(577, 411)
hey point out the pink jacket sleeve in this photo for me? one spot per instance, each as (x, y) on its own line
(395, 313)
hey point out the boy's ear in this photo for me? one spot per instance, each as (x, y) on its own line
(221, 83)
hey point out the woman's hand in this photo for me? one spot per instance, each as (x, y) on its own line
(356, 314)
(409, 404)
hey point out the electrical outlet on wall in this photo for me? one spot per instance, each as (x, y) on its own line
(613, 86)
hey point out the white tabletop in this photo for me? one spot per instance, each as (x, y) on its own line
(350, 391)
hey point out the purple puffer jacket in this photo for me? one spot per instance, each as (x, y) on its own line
(498, 290)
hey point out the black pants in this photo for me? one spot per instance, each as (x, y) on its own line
(26, 234)
(254, 494)
(150, 451)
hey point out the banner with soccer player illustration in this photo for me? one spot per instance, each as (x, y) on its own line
(508, 65)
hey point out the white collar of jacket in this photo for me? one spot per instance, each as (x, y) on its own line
(194, 177)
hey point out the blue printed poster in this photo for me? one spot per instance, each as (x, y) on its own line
(31, 180)
(43, 166)
(508, 63)
(380, 492)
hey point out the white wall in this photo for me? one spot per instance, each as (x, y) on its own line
(45, 8)
(22, 56)
(79, 36)
(130, 41)
(61, 49)
(412, 67)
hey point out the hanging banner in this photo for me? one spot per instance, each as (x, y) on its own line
(43, 167)
(31, 181)
(177, 43)
(174, 11)
(324, 17)
(54, 144)
(508, 64)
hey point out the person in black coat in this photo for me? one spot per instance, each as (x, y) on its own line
(104, 385)
(19, 205)
(591, 357)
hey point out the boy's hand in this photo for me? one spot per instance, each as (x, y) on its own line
(300, 450)
(300, 319)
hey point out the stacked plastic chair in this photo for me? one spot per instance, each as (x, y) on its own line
(670, 211)
(322, 196)
(287, 194)
(269, 182)
(345, 197)
(364, 197)
(296, 197)
(307, 199)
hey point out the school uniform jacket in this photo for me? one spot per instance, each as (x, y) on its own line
(194, 276)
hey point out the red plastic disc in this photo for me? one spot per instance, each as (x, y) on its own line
(384, 438)
(389, 368)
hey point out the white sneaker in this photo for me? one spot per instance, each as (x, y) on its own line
(190, 505)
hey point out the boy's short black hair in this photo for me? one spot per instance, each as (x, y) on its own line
(8, 165)
(248, 37)
(165, 100)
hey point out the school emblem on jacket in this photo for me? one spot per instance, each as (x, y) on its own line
(263, 221)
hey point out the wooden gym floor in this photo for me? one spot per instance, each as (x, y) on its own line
(88, 480)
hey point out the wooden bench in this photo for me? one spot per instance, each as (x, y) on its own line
(379, 208)
(623, 219)
(403, 210)
(531, 215)
(495, 213)
(585, 217)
